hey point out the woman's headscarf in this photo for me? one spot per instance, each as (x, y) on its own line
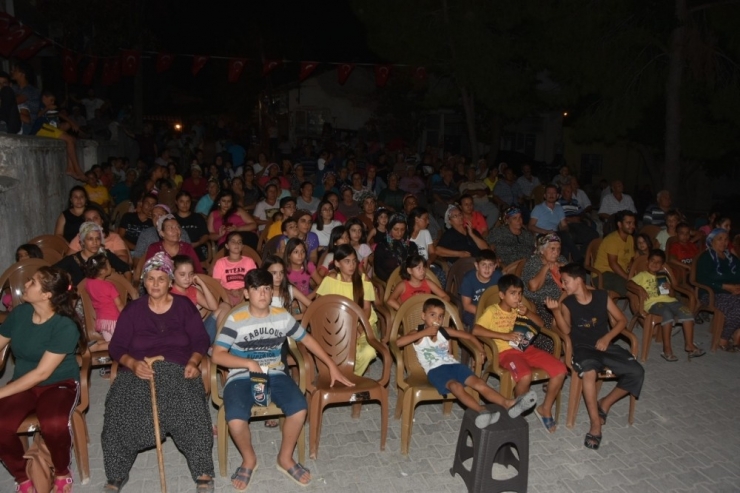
(543, 240)
(449, 210)
(160, 261)
(88, 227)
(327, 175)
(364, 196)
(512, 211)
(162, 219)
(730, 259)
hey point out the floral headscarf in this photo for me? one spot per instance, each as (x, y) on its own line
(88, 227)
(364, 196)
(713, 253)
(543, 240)
(162, 219)
(512, 211)
(449, 210)
(160, 261)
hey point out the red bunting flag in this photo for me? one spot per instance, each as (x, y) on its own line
(236, 67)
(111, 71)
(198, 62)
(89, 73)
(69, 66)
(420, 73)
(30, 50)
(13, 38)
(164, 62)
(307, 69)
(343, 72)
(130, 62)
(270, 65)
(382, 72)
(6, 21)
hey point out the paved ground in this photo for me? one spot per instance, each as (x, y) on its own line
(683, 439)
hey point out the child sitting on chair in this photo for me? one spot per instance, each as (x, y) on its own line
(683, 250)
(447, 375)
(513, 327)
(250, 342)
(661, 302)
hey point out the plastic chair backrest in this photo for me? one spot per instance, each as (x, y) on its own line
(538, 194)
(51, 242)
(639, 264)
(271, 247)
(651, 230)
(118, 212)
(333, 321)
(489, 297)
(395, 279)
(50, 255)
(515, 268)
(18, 274)
(247, 251)
(167, 197)
(591, 251)
(457, 272)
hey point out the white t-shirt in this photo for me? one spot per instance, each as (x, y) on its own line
(91, 105)
(363, 252)
(610, 205)
(422, 240)
(263, 210)
(277, 301)
(311, 206)
(325, 233)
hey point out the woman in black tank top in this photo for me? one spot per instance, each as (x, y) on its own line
(70, 220)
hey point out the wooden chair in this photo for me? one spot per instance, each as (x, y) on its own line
(718, 320)
(576, 384)
(491, 296)
(334, 322)
(411, 380)
(56, 243)
(515, 268)
(218, 376)
(247, 251)
(80, 436)
(455, 277)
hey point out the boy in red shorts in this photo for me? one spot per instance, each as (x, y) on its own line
(513, 327)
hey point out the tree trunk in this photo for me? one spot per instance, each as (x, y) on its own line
(672, 166)
(497, 125)
(653, 168)
(469, 107)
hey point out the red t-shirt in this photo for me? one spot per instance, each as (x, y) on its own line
(685, 253)
(411, 290)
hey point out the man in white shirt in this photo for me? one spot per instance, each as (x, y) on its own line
(616, 201)
(527, 182)
(91, 104)
(580, 195)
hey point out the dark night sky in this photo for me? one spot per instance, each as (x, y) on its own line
(295, 30)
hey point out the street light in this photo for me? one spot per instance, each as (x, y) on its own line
(178, 127)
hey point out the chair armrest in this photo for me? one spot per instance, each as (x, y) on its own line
(595, 273)
(84, 381)
(205, 372)
(557, 343)
(489, 346)
(637, 296)
(710, 292)
(567, 347)
(309, 368)
(400, 365)
(382, 350)
(213, 373)
(300, 363)
(477, 357)
(387, 320)
(634, 344)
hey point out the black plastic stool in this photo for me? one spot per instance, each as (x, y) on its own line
(493, 444)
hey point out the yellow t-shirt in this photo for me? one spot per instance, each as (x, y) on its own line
(498, 320)
(275, 230)
(98, 194)
(614, 245)
(649, 282)
(335, 286)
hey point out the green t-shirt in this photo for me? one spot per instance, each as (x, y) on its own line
(29, 342)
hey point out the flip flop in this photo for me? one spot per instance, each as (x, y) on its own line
(671, 358)
(522, 403)
(295, 473)
(592, 442)
(548, 423)
(204, 485)
(243, 474)
(696, 353)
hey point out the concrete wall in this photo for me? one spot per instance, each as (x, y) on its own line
(33, 190)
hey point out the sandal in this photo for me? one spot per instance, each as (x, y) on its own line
(696, 353)
(272, 423)
(61, 483)
(672, 358)
(729, 347)
(244, 475)
(204, 485)
(592, 442)
(602, 414)
(549, 423)
(295, 473)
(25, 487)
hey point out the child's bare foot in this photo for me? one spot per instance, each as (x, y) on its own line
(522, 403)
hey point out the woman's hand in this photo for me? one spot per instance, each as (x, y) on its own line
(142, 370)
(192, 370)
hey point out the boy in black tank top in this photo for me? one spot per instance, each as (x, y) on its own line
(584, 314)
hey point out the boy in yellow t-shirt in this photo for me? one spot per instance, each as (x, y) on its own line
(513, 327)
(660, 301)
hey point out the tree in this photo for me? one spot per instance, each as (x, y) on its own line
(488, 49)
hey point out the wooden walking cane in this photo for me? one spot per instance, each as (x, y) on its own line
(157, 436)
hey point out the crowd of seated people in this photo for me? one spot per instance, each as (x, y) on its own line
(342, 224)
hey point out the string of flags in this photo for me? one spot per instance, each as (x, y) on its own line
(21, 42)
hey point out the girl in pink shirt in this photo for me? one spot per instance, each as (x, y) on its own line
(230, 270)
(300, 271)
(104, 296)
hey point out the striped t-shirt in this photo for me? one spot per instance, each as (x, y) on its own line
(258, 338)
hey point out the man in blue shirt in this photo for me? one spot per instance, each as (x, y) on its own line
(549, 217)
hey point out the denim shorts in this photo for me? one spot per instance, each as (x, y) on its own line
(439, 376)
(285, 394)
(671, 311)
